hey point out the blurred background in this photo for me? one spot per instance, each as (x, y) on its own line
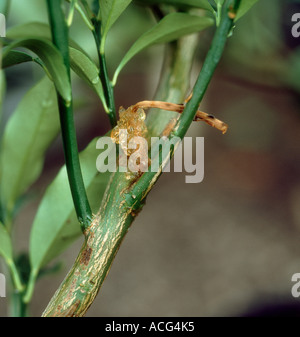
(229, 245)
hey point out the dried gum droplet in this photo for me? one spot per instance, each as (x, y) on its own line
(134, 122)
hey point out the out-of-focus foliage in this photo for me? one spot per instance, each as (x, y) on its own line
(258, 54)
(168, 29)
(55, 225)
(25, 141)
(181, 4)
(245, 6)
(259, 51)
(263, 54)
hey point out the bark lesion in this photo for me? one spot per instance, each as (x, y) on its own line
(86, 256)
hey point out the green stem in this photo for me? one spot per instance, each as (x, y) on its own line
(30, 286)
(87, 8)
(219, 12)
(123, 200)
(148, 179)
(103, 74)
(15, 276)
(211, 61)
(18, 307)
(102, 241)
(95, 7)
(71, 13)
(84, 14)
(60, 39)
(118, 209)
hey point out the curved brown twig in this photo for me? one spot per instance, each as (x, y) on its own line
(200, 115)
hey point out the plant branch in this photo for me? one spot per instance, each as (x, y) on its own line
(211, 61)
(103, 74)
(118, 208)
(102, 241)
(148, 179)
(18, 308)
(123, 200)
(60, 39)
(84, 14)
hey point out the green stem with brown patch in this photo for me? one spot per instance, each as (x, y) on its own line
(123, 199)
(119, 207)
(102, 241)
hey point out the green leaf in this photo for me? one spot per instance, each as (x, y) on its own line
(35, 30)
(204, 4)
(55, 225)
(85, 68)
(244, 7)
(168, 29)
(28, 134)
(5, 244)
(52, 59)
(31, 29)
(81, 64)
(16, 57)
(110, 10)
